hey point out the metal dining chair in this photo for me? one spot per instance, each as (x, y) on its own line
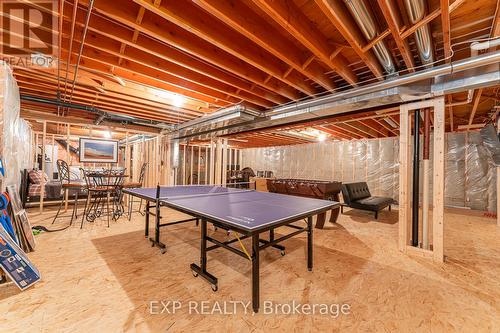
(66, 185)
(96, 196)
(137, 184)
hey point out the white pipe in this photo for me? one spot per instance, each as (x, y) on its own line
(477, 46)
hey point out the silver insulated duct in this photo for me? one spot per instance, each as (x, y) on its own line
(364, 19)
(423, 39)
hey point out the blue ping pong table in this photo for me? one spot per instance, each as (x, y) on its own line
(245, 212)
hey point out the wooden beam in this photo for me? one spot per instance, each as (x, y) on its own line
(224, 72)
(376, 40)
(450, 111)
(154, 63)
(35, 115)
(475, 104)
(427, 19)
(189, 17)
(470, 127)
(344, 23)
(404, 178)
(146, 68)
(291, 18)
(438, 181)
(115, 106)
(68, 161)
(132, 92)
(244, 20)
(42, 183)
(391, 15)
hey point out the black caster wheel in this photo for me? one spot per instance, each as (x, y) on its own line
(194, 273)
(214, 287)
(162, 251)
(282, 252)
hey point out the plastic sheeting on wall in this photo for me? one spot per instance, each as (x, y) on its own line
(470, 174)
(15, 143)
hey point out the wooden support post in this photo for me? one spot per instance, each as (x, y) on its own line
(156, 156)
(438, 186)
(35, 162)
(68, 160)
(437, 252)
(126, 166)
(42, 184)
(404, 177)
(184, 164)
(218, 162)
(212, 163)
(191, 166)
(53, 157)
(224, 162)
(199, 165)
(206, 180)
(240, 158)
(333, 161)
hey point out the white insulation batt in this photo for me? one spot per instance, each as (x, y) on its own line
(470, 175)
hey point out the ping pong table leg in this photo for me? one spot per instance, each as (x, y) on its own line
(202, 269)
(271, 239)
(156, 241)
(203, 246)
(310, 243)
(146, 228)
(255, 273)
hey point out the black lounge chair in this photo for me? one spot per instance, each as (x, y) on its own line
(358, 196)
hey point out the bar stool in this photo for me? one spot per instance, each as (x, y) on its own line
(66, 185)
(137, 184)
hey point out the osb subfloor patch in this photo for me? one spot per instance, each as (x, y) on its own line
(101, 279)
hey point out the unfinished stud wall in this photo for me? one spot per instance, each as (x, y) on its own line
(470, 175)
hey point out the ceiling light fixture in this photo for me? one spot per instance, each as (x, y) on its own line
(178, 100)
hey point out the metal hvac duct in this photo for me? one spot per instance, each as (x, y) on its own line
(416, 10)
(364, 19)
(431, 73)
(448, 78)
(230, 116)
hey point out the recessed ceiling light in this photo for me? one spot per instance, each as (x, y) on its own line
(178, 100)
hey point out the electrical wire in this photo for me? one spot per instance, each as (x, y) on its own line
(242, 246)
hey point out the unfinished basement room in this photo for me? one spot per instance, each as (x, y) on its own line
(250, 166)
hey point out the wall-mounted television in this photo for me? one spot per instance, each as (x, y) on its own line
(98, 151)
